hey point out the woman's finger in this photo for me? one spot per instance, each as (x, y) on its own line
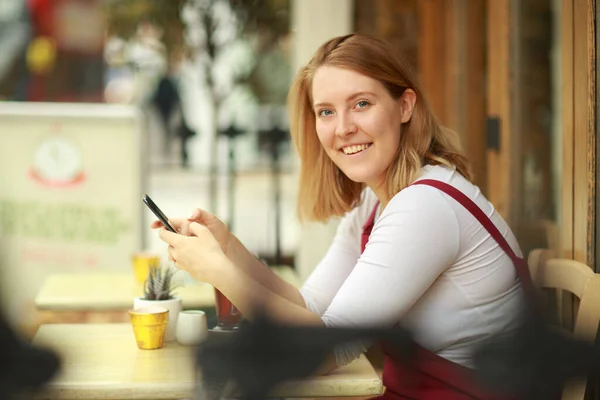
(202, 217)
(198, 229)
(168, 236)
(156, 224)
(171, 250)
(174, 222)
(184, 229)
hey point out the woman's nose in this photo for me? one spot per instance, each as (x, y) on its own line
(345, 125)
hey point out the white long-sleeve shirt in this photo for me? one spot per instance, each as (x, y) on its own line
(429, 265)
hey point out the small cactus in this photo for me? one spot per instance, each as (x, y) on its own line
(160, 285)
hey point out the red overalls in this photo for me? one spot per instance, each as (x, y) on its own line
(431, 377)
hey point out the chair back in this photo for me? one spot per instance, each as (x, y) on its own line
(565, 276)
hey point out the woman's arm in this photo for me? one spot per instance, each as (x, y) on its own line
(325, 280)
(251, 298)
(233, 248)
(249, 295)
(414, 241)
(242, 258)
(249, 284)
(321, 286)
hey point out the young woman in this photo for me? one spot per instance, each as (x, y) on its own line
(418, 244)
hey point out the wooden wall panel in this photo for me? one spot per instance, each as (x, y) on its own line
(452, 69)
(579, 133)
(473, 110)
(566, 229)
(597, 129)
(585, 132)
(436, 48)
(580, 130)
(445, 41)
(498, 104)
(395, 21)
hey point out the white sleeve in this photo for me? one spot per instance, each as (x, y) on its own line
(414, 241)
(331, 272)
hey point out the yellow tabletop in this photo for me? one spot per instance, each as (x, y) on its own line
(102, 291)
(102, 361)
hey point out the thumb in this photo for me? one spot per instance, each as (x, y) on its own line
(200, 216)
(195, 214)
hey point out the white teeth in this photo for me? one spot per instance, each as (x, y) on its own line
(355, 149)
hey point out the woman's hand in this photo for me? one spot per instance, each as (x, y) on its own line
(199, 253)
(218, 228)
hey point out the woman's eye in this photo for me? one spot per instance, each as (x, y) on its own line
(325, 113)
(362, 104)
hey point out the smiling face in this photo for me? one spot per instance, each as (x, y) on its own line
(358, 122)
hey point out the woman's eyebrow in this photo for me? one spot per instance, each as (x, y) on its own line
(351, 97)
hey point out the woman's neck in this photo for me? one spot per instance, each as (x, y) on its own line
(382, 195)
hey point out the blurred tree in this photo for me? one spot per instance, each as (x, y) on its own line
(213, 29)
(123, 18)
(207, 32)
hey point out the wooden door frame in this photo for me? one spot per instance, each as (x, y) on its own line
(578, 210)
(578, 93)
(502, 112)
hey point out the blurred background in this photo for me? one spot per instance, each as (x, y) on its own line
(102, 101)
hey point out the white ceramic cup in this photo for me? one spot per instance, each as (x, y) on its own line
(192, 328)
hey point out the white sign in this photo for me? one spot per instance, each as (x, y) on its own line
(70, 194)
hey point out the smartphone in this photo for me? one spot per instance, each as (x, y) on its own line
(159, 214)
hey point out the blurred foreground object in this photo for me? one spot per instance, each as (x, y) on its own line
(533, 363)
(23, 368)
(536, 361)
(263, 354)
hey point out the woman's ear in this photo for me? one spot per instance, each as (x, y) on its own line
(407, 104)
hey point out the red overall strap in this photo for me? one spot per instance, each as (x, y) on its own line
(433, 377)
(519, 263)
(473, 209)
(368, 228)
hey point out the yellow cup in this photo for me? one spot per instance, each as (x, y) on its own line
(149, 326)
(141, 263)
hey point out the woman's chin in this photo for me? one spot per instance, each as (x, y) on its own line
(370, 180)
(357, 177)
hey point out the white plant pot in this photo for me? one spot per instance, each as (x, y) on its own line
(174, 307)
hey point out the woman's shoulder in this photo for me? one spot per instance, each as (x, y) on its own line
(427, 198)
(440, 173)
(453, 178)
(420, 209)
(415, 198)
(435, 172)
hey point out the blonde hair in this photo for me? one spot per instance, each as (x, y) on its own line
(324, 189)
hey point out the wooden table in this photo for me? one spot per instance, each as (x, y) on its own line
(105, 291)
(102, 361)
(106, 296)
